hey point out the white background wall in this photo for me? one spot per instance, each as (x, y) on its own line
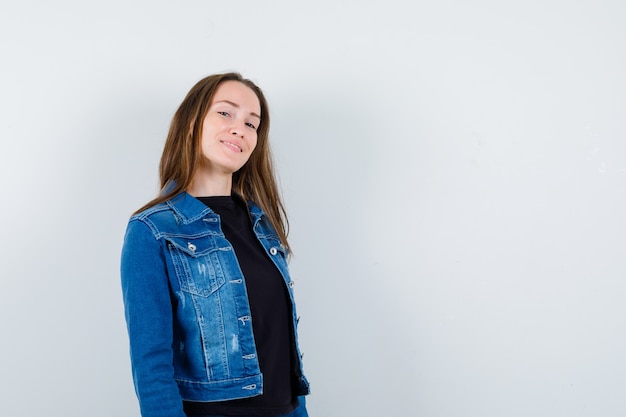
(455, 173)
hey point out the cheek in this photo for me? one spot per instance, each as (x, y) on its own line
(205, 147)
(253, 144)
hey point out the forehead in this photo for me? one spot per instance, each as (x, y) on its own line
(239, 94)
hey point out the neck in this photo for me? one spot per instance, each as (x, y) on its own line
(210, 185)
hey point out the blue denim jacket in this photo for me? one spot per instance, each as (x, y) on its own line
(187, 309)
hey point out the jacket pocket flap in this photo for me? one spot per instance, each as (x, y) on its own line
(194, 246)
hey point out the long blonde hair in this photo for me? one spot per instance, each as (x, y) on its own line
(182, 154)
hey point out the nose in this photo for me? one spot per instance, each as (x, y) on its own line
(237, 129)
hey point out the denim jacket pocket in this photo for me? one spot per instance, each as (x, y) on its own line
(196, 262)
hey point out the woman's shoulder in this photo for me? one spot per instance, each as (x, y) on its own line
(181, 211)
(152, 211)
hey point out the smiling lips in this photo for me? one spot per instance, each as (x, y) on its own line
(232, 146)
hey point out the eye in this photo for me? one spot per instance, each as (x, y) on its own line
(251, 125)
(223, 113)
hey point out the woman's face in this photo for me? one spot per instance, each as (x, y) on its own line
(229, 130)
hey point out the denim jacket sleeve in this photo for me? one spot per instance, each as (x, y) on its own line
(148, 312)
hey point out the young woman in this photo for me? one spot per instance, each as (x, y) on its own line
(208, 297)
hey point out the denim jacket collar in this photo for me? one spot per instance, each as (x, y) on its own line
(189, 209)
(255, 212)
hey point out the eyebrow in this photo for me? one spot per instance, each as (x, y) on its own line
(236, 106)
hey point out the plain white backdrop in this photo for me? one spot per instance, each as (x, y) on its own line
(455, 173)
